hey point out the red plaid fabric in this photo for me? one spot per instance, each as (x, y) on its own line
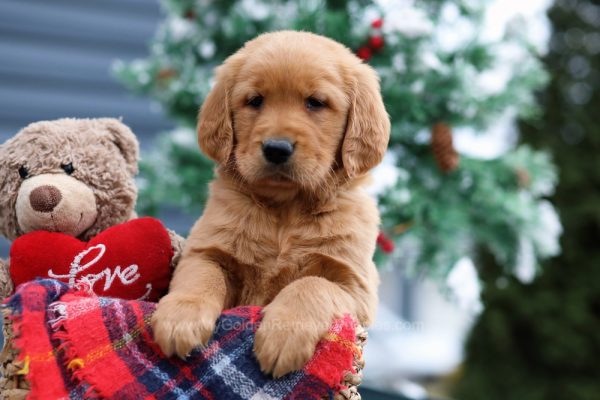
(77, 345)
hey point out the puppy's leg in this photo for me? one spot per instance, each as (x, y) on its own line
(301, 314)
(185, 318)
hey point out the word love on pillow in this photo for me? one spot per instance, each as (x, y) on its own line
(129, 261)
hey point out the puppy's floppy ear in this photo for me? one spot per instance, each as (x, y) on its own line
(368, 127)
(125, 140)
(215, 126)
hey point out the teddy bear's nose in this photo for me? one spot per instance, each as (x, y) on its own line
(44, 198)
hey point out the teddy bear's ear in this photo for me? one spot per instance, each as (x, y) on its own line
(9, 187)
(125, 140)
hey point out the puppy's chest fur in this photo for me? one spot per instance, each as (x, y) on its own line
(270, 249)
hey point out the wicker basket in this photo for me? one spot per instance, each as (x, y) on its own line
(353, 379)
(13, 385)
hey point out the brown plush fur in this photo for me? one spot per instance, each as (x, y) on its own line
(297, 238)
(104, 154)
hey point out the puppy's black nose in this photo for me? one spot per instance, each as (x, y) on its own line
(277, 151)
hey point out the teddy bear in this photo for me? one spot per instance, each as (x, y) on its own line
(67, 200)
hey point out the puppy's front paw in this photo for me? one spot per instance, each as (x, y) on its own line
(182, 323)
(284, 342)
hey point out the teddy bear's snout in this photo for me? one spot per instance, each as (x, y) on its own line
(45, 198)
(55, 202)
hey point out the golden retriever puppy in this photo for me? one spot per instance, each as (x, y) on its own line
(295, 121)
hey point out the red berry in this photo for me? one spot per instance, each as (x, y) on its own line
(377, 23)
(385, 243)
(387, 246)
(364, 53)
(190, 14)
(376, 42)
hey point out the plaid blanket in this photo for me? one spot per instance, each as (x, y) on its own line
(76, 345)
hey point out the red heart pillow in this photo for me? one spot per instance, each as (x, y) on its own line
(130, 261)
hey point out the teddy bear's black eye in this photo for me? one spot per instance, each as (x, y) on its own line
(23, 172)
(68, 168)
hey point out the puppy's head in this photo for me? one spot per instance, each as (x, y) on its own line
(292, 109)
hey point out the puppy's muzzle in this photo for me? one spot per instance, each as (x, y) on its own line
(277, 151)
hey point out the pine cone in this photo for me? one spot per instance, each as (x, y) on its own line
(166, 73)
(523, 178)
(443, 149)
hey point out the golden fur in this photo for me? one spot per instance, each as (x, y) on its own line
(297, 238)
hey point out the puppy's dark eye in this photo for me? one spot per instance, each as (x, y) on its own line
(314, 104)
(68, 168)
(256, 101)
(23, 172)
